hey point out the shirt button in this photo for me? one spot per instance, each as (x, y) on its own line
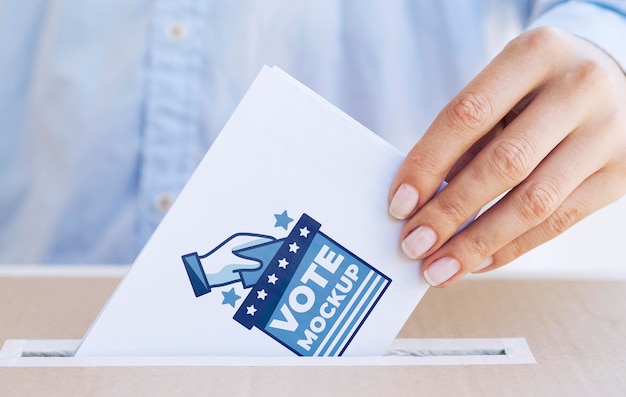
(175, 32)
(164, 202)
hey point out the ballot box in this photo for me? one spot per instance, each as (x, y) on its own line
(575, 331)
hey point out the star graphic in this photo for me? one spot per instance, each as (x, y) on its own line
(250, 310)
(230, 297)
(261, 294)
(272, 278)
(282, 220)
(293, 247)
(283, 263)
(304, 232)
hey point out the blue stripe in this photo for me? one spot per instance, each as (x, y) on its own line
(344, 333)
(359, 319)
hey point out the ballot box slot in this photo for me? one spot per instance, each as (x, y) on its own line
(50, 353)
(415, 352)
(444, 352)
(394, 352)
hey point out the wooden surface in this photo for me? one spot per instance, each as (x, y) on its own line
(575, 329)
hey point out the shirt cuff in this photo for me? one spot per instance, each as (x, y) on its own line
(603, 26)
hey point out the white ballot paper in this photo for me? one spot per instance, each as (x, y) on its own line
(279, 245)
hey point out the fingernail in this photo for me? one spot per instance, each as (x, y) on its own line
(486, 263)
(419, 241)
(441, 270)
(403, 202)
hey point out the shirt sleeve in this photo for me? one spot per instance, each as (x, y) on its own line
(601, 22)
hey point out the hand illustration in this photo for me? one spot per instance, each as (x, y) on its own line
(222, 265)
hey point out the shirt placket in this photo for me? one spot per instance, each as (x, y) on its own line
(172, 124)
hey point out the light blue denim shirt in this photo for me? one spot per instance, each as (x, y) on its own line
(106, 107)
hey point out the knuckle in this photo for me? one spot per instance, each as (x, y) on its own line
(589, 75)
(513, 250)
(511, 160)
(534, 46)
(423, 161)
(538, 201)
(585, 71)
(540, 40)
(477, 245)
(592, 71)
(451, 209)
(470, 111)
(562, 219)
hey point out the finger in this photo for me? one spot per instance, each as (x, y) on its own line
(522, 209)
(582, 202)
(517, 71)
(244, 240)
(473, 151)
(506, 161)
(468, 156)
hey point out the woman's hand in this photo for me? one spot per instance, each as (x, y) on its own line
(545, 122)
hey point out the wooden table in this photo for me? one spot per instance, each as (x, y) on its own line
(575, 329)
